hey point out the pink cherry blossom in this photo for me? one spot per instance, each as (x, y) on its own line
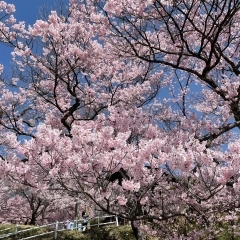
(132, 106)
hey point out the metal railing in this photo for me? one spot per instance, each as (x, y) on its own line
(56, 227)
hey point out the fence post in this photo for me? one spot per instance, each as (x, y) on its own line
(116, 220)
(16, 228)
(76, 212)
(56, 229)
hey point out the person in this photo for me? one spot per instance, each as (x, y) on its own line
(85, 220)
(67, 224)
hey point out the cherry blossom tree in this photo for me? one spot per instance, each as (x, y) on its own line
(25, 204)
(82, 165)
(149, 89)
(195, 40)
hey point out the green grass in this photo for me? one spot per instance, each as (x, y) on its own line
(110, 232)
(102, 233)
(23, 234)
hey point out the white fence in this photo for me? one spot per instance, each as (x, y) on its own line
(56, 227)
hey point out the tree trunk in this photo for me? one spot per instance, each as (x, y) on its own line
(33, 220)
(136, 231)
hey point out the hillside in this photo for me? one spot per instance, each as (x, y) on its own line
(102, 233)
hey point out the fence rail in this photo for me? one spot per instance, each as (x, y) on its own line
(56, 227)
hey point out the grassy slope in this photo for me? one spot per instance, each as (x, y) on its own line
(102, 233)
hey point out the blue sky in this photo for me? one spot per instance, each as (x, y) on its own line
(27, 11)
